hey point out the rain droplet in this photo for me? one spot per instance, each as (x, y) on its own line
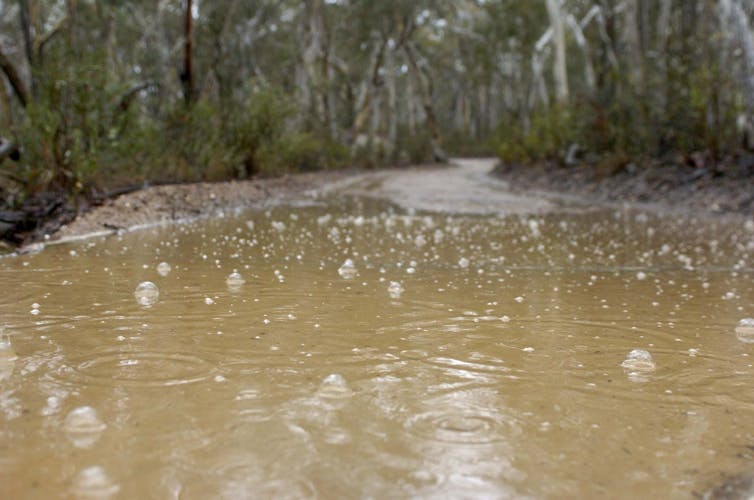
(94, 483)
(208, 301)
(163, 269)
(463, 262)
(83, 426)
(745, 330)
(146, 294)
(348, 270)
(395, 290)
(641, 276)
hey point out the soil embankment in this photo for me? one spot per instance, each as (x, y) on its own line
(468, 186)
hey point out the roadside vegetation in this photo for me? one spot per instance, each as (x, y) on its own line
(101, 97)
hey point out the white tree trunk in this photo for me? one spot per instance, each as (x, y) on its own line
(632, 43)
(392, 102)
(736, 26)
(560, 69)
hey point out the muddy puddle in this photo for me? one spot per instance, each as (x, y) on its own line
(353, 349)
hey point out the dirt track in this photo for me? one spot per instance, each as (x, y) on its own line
(467, 186)
(464, 187)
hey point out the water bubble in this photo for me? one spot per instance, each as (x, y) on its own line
(208, 301)
(641, 276)
(94, 483)
(745, 330)
(348, 270)
(234, 281)
(163, 269)
(146, 294)
(638, 365)
(83, 426)
(335, 386)
(395, 290)
(463, 262)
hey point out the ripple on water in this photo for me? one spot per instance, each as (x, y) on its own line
(459, 427)
(138, 369)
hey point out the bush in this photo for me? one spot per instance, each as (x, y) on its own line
(550, 133)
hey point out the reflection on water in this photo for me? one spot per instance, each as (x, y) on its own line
(352, 350)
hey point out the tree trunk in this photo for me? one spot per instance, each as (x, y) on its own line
(187, 75)
(735, 19)
(560, 70)
(26, 29)
(368, 87)
(392, 105)
(425, 88)
(632, 44)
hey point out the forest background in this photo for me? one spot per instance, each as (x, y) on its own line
(97, 96)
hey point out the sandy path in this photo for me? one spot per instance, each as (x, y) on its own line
(465, 187)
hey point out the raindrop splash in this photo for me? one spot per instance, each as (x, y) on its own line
(83, 426)
(334, 386)
(7, 356)
(638, 365)
(163, 269)
(395, 290)
(745, 330)
(348, 270)
(234, 281)
(94, 483)
(147, 294)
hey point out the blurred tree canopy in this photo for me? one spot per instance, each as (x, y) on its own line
(101, 93)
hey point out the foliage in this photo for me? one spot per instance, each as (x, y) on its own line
(284, 86)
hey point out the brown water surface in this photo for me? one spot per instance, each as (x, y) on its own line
(497, 372)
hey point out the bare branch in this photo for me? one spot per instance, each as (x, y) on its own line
(14, 79)
(39, 44)
(127, 98)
